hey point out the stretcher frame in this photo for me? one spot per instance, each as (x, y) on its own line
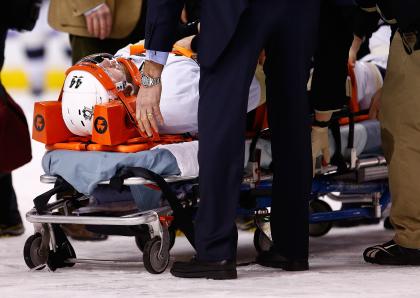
(156, 260)
(46, 221)
(374, 194)
(368, 187)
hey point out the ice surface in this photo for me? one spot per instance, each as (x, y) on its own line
(336, 265)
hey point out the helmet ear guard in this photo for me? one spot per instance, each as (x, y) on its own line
(80, 93)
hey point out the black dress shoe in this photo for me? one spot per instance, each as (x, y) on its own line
(276, 260)
(203, 269)
(391, 253)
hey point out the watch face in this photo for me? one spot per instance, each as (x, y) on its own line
(148, 81)
(145, 80)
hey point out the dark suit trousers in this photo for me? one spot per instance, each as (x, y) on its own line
(287, 30)
(9, 212)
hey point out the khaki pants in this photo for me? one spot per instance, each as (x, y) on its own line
(400, 121)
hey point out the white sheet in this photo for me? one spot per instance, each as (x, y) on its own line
(186, 156)
(180, 95)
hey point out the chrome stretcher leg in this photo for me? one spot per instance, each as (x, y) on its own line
(61, 251)
(183, 217)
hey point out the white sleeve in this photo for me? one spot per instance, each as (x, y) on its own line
(156, 56)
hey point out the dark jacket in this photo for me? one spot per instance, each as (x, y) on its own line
(219, 19)
(19, 14)
(404, 13)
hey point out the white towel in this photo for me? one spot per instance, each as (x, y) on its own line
(186, 156)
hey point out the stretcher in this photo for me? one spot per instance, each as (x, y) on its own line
(154, 228)
(357, 177)
(153, 220)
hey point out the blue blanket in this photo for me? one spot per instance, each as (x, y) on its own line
(85, 169)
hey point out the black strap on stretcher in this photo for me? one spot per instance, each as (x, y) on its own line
(338, 159)
(182, 216)
(41, 201)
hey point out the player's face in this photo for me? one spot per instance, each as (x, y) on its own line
(114, 69)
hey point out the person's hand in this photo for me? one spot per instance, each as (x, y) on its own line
(148, 99)
(375, 105)
(354, 49)
(184, 16)
(99, 22)
(261, 58)
(320, 145)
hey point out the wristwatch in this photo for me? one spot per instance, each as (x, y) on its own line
(147, 81)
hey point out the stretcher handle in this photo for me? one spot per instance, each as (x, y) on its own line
(41, 201)
(183, 217)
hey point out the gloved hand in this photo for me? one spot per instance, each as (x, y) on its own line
(320, 145)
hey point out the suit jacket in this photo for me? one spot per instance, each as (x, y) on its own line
(219, 19)
(406, 13)
(67, 16)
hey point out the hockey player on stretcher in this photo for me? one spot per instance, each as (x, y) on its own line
(179, 102)
(83, 90)
(180, 95)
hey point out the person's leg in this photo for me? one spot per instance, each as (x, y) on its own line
(10, 219)
(400, 121)
(287, 69)
(399, 116)
(224, 91)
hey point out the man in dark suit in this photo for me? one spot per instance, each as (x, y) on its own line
(232, 35)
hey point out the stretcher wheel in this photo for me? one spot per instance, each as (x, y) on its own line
(32, 253)
(261, 241)
(142, 239)
(321, 228)
(153, 262)
(63, 251)
(58, 258)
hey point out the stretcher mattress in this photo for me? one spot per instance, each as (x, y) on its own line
(367, 138)
(85, 169)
